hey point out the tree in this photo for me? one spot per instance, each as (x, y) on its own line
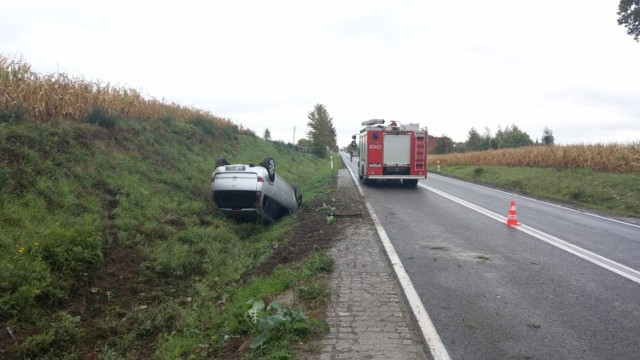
(460, 147)
(474, 141)
(629, 17)
(477, 142)
(487, 140)
(547, 136)
(322, 133)
(444, 145)
(511, 137)
(304, 144)
(267, 134)
(517, 138)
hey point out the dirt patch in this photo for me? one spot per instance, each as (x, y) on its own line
(113, 288)
(312, 232)
(236, 348)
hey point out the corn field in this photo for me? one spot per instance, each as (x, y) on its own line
(59, 96)
(614, 157)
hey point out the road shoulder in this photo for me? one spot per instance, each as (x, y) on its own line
(367, 314)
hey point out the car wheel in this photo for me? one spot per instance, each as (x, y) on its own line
(296, 193)
(269, 164)
(221, 162)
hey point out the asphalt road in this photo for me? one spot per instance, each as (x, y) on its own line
(567, 287)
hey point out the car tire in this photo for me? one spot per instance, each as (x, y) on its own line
(270, 164)
(296, 193)
(221, 162)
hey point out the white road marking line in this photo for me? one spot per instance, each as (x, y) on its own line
(431, 336)
(544, 202)
(599, 260)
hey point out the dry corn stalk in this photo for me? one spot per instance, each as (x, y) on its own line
(613, 157)
(58, 96)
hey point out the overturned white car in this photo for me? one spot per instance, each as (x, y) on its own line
(248, 191)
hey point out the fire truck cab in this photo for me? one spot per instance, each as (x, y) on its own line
(392, 152)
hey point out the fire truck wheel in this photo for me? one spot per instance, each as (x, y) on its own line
(269, 164)
(410, 182)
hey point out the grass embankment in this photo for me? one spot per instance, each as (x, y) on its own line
(111, 248)
(599, 177)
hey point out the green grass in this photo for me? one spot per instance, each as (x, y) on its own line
(612, 192)
(109, 240)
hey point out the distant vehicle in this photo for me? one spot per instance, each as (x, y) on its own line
(247, 191)
(393, 152)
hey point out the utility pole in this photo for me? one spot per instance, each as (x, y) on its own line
(294, 134)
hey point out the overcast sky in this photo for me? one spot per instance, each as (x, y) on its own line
(448, 65)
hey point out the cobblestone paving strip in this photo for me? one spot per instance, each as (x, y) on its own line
(367, 315)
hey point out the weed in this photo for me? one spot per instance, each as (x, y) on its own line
(330, 212)
(533, 325)
(313, 292)
(57, 342)
(276, 321)
(319, 263)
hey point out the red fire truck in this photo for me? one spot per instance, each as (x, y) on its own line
(392, 152)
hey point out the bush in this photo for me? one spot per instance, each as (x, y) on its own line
(229, 132)
(101, 117)
(13, 115)
(204, 124)
(477, 172)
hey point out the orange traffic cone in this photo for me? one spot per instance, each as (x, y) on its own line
(512, 219)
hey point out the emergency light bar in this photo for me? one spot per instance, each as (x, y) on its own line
(373, 122)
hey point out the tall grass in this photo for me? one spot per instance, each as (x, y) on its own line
(613, 158)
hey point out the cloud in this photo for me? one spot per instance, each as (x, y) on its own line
(450, 66)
